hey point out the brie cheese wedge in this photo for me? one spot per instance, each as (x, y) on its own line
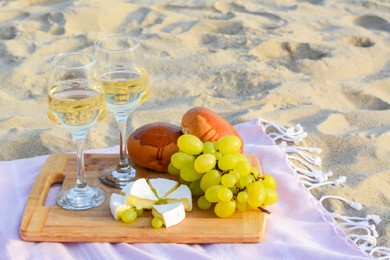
(126, 188)
(117, 205)
(162, 186)
(181, 194)
(140, 195)
(144, 194)
(171, 214)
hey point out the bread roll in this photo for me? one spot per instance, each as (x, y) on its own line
(152, 145)
(207, 125)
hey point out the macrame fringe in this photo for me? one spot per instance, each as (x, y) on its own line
(360, 230)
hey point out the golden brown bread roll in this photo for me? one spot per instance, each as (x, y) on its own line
(152, 145)
(206, 125)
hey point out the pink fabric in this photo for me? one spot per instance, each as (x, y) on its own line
(295, 229)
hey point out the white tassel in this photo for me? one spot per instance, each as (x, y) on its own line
(362, 225)
(374, 218)
(366, 242)
(382, 252)
(352, 204)
(291, 134)
(337, 182)
(312, 177)
(310, 159)
(349, 224)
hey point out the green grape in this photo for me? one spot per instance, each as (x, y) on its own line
(128, 215)
(181, 181)
(234, 189)
(209, 147)
(190, 144)
(173, 170)
(203, 203)
(271, 197)
(236, 174)
(210, 178)
(188, 173)
(228, 180)
(241, 157)
(157, 222)
(242, 197)
(205, 162)
(224, 194)
(217, 155)
(229, 144)
(256, 194)
(227, 162)
(243, 167)
(139, 212)
(195, 188)
(241, 206)
(245, 180)
(269, 181)
(180, 159)
(224, 209)
(211, 193)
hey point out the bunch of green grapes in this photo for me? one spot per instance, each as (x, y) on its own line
(221, 175)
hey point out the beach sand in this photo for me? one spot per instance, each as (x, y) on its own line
(321, 64)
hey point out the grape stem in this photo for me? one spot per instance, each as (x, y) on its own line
(264, 210)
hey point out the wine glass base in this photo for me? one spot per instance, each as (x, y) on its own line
(80, 199)
(113, 177)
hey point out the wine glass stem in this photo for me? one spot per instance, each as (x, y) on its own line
(81, 176)
(123, 159)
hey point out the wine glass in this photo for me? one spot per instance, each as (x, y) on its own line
(126, 87)
(76, 102)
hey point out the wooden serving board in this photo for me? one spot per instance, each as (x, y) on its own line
(52, 223)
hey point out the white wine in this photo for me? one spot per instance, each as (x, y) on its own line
(74, 107)
(125, 90)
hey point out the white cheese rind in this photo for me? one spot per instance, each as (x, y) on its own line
(140, 195)
(163, 186)
(171, 214)
(117, 205)
(181, 194)
(126, 189)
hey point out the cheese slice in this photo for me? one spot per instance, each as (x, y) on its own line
(181, 194)
(117, 205)
(140, 195)
(162, 186)
(171, 214)
(126, 188)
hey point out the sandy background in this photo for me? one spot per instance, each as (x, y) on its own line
(321, 64)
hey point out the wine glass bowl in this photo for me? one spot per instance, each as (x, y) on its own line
(76, 102)
(126, 86)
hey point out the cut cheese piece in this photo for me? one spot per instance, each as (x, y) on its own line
(140, 195)
(163, 186)
(126, 188)
(181, 194)
(117, 205)
(171, 214)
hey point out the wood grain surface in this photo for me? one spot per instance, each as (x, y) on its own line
(52, 223)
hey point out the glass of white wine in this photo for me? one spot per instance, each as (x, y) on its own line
(126, 86)
(76, 102)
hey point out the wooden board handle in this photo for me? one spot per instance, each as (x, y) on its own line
(51, 173)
